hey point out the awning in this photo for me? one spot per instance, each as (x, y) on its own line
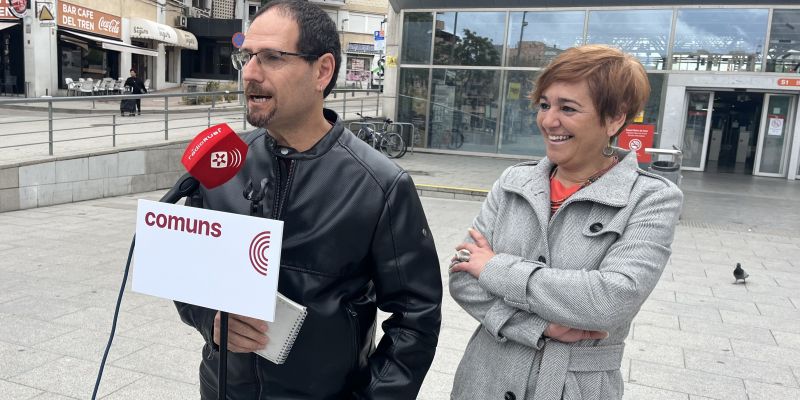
(186, 39)
(4, 25)
(146, 29)
(115, 45)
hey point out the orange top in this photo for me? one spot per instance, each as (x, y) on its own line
(559, 193)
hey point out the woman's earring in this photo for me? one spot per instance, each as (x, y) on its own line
(608, 151)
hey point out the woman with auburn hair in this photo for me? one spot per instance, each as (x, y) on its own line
(565, 250)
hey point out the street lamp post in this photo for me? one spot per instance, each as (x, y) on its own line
(521, 31)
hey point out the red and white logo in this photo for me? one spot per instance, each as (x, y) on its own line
(225, 159)
(635, 145)
(258, 252)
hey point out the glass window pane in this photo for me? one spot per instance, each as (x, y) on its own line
(469, 38)
(652, 108)
(695, 130)
(417, 38)
(719, 39)
(774, 144)
(641, 33)
(535, 38)
(464, 110)
(784, 42)
(413, 100)
(520, 133)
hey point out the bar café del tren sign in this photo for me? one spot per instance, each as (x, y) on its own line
(88, 20)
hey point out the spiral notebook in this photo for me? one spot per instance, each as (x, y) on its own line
(282, 332)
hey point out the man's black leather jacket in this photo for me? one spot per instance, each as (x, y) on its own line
(355, 239)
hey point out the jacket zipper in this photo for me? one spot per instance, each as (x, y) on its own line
(282, 188)
(353, 318)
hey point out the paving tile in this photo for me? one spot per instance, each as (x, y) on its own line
(763, 391)
(770, 354)
(688, 340)
(27, 331)
(654, 352)
(174, 363)
(743, 332)
(167, 332)
(683, 287)
(784, 324)
(682, 310)
(11, 390)
(90, 345)
(639, 392)
(771, 310)
(689, 382)
(740, 293)
(437, 386)
(155, 388)
(51, 396)
(737, 367)
(786, 339)
(76, 378)
(644, 317)
(100, 319)
(39, 308)
(18, 359)
(716, 302)
(663, 295)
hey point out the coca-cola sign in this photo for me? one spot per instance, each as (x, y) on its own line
(89, 20)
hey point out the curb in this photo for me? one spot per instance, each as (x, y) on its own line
(450, 192)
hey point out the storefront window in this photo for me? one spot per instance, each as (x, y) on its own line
(469, 38)
(641, 33)
(417, 36)
(784, 42)
(520, 134)
(535, 38)
(652, 109)
(413, 100)
(719, 39)
(464, 110)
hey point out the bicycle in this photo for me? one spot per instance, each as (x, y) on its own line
(389, 143)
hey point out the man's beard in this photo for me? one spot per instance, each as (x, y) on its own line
(260, 121)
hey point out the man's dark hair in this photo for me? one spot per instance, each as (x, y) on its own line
(132, 70)
(318, 33)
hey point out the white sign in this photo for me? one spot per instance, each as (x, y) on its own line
(775, 127)
(45, 12)
(222, 261)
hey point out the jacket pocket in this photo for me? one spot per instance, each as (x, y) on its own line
(355, 328)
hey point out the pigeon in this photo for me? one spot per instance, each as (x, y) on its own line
(739, 273)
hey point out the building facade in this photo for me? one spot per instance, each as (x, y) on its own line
(357, 21)
(725, 76)
(54, 41)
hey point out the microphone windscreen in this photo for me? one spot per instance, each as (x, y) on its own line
(215, 155)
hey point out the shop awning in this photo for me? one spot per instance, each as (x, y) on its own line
(115, 44)
(186, 40)
(146, 29)
(4, 25)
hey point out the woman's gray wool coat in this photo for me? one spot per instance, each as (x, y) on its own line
(602, 253)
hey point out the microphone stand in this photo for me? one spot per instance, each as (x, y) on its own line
(256, 210)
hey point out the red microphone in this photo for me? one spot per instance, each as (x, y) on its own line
(215, 156)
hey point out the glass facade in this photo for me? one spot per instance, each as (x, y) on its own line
(465, 75)
(783, 54)
(535, 38)
(469, 38)
(641, 33)
(719, 39)
(417, 38)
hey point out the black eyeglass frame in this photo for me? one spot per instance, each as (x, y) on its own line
(308, 57)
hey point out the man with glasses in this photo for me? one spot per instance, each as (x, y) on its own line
(355, 236)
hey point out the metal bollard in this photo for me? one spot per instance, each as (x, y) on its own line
(209, 118)
(166, 118)
(50, 125)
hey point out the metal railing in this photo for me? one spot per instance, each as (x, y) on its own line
(52, 121)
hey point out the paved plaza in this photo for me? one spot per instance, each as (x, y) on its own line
(699, 336)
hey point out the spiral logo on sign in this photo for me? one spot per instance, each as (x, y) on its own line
(258, 252)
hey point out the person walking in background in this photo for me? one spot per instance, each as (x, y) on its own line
(355, 236)
(564, 251)
(136, 86)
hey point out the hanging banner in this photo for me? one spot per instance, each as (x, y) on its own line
(13, 9)
(637, 138)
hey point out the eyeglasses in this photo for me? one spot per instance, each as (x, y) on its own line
(269, 58)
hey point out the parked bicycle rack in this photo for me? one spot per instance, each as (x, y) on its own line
(402, 130)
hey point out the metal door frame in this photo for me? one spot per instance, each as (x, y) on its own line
(762, 135)
(707, 129)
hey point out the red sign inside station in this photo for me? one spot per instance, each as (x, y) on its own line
(788, 82)
(637, 138)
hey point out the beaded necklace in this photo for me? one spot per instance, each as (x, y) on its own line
(556, 203)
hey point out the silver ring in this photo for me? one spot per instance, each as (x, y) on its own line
(463, 255)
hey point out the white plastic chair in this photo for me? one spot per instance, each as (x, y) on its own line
(71, 86)
(87, 86)
(147, 85)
